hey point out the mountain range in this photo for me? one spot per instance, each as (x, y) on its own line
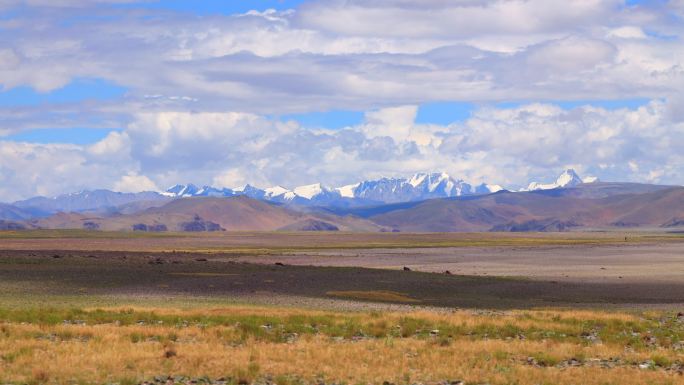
(385, 190)
(423, 202)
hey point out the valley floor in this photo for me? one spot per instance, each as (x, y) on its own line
(101, 308)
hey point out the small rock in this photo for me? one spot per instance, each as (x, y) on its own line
(447, 272)
(279, 264)
(200, 259)
(407, 268)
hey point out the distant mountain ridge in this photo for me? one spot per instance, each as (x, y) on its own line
(369, 193)
(418, 187)
(85, 201)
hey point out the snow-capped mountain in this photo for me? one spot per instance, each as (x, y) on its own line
(385, 190)
(418, 187)
(567, 179)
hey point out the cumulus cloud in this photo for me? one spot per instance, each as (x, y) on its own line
(133, 182)
(508, 146)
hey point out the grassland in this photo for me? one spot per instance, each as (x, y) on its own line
(257, 243)
(73, 343)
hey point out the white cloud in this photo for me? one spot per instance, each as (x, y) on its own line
(627, 32)
(441, 18)
(133, 182)
(394, 122)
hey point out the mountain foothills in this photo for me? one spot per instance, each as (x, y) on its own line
(421, 203)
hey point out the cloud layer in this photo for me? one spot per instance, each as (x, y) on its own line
(205, 92)
(497, 145)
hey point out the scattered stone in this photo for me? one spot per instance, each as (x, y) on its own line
(591, 337)
(650, 340)
(680, 317)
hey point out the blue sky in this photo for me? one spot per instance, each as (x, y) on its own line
(132, 94)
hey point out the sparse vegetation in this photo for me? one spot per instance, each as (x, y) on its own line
(246, 343)
(255, 243)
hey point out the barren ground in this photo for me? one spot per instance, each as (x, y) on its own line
(487, 270)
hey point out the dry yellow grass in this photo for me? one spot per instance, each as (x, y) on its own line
(100, 350)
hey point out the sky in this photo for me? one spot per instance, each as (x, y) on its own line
(136, 95)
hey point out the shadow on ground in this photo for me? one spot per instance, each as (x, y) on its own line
(102, 273)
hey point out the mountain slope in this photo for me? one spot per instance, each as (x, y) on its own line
(538, 211)
(13, 213)
(238, 213)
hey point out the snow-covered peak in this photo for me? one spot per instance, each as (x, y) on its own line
(417, 179)
(348, 190)
(181, 190)
(492, 188)
(276, 191)
(310, 191)
(568, 178)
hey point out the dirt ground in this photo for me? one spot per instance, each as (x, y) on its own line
(614, 263)
(486, 270)
(109, 273)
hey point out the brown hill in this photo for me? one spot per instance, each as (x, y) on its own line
(539, 211)
(205, 214)
(554, 210)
